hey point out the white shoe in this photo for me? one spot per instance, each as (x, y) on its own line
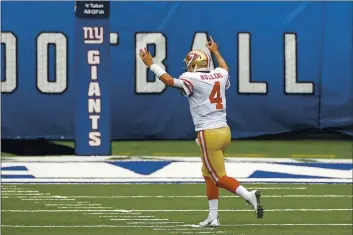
(210, 222)
(255, 202)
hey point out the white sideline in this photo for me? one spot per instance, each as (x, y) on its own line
(183, 229)
(128, 216)
(190, 210)
(41, 198)
(48, 199)
(141, 219)
(154, 226)
(144, 180)
(21, 194)
(16, 191)
(155, 222)
(73, 158)
(277, 188)
(112, 213)
(73, 204)
(87, 207)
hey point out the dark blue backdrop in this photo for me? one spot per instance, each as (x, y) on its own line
(324, 57)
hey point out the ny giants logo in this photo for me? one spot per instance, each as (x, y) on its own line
(94, 35)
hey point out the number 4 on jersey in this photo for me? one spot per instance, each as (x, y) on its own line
(215, 96)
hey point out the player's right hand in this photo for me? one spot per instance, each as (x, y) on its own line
(212, 46)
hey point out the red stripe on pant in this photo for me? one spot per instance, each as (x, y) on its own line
(206, 160)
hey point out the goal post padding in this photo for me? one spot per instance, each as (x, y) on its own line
(91, 77)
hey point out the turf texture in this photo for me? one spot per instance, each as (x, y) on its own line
(157, 209)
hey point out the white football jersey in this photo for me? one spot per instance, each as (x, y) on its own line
(206, 94)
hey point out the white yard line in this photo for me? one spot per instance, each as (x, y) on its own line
(277, 188)
(171, 210)
(195, 232)
(14, 187)
(87, 207)
(243, 225)
(113, 213)
(198, 180)
(249, 210)
(48, 199)
(305, 196)
(73, 205)
(141, 219)
(183, 229)
(4, 195)
(25, 194)
(202, 196)
(120, 216)
(163, 226)
(19, 191)
(235, 158)
(183, 196)
(204, 232)
(183, 232)
(69, 203)
(154, 222)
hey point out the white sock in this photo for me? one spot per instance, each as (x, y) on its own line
(243, 192)
(213, 206)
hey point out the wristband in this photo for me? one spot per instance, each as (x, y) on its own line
(157, 70)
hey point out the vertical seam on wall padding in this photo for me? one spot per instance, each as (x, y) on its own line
(321, 65)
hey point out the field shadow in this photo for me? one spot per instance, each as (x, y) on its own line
(38, 147)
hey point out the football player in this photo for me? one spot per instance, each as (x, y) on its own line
(205, 89)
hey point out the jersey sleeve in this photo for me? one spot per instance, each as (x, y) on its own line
(225, 75)
(188, 86)
(228, 83)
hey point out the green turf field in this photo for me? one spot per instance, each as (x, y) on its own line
(172, 209)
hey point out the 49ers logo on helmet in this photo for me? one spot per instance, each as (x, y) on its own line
(193, 56)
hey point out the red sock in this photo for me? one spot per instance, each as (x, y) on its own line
(212, 190)
(228, 183)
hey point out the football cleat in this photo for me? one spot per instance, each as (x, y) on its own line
(210, 222)
(255, 202)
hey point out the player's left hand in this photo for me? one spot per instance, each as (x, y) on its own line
(146, 57)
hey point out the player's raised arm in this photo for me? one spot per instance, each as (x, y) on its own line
(213, 47)
(158, 71)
